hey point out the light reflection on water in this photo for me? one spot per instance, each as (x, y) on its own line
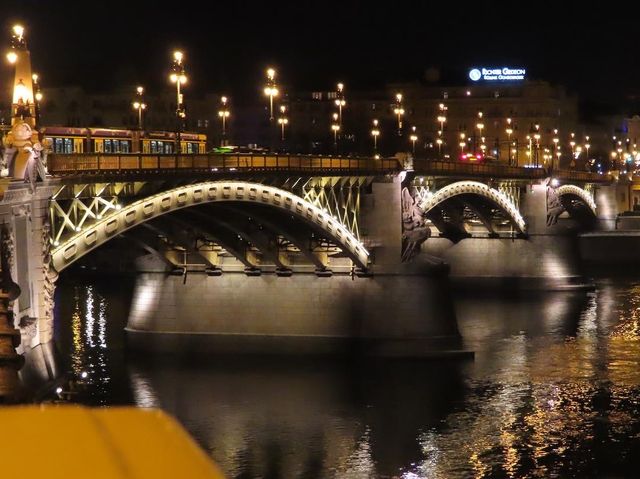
(554, 391)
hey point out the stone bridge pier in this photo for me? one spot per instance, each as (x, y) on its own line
(516, 234)
(382, 307)
(25, 216)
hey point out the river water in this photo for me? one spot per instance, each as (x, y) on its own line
(553, 391)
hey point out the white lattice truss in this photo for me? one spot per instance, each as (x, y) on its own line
(430, 201)
(75, 207)
(136, 213)
(584, 195)
(338, 197)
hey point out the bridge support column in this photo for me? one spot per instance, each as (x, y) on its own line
(303, 313)
(547, 258)
(26, 216)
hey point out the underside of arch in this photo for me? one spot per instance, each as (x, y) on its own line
(241, 195)
(448, 206)
(577, 201)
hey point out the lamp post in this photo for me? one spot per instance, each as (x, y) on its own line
(399, 111)
(282, 121)
(335, 127)
(556, 150)
(413, 138)
(509, 132)
(224, 113)
(479, 126)
(340, 102)
(462, 143)
(375, 133)
(37, 96)
(572, 143)
(271, 90)
(587, 145)
(179, 77)
(442, 117)
(536, 136)
(139, 105)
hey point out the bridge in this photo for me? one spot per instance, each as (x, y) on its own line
(292, 252)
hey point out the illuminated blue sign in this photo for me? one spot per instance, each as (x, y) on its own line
(497, 74)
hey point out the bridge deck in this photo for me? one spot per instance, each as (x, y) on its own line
(112, 164)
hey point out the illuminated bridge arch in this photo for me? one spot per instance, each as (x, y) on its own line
(570, 193)
(495, 197)
(157, 205)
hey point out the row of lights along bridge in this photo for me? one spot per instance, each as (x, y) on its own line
(542, 149)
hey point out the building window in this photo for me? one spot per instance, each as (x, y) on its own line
(445, 95)
(316, 95)
(332, 95)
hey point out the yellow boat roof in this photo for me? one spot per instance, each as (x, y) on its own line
(98, 443)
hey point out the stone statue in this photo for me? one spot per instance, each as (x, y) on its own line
(35, 168)
(6, 164)
(6, 256)
(554, 206)
(414, 227)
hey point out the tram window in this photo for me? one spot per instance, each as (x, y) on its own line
(107, 146)
(124, 146)
(168, 148)
(68, 145)
(58, 145)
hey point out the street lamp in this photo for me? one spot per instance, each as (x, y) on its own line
(399, 111)
(179, 77)
(17, 43)
(271, 90)
(37, 97)
(282, 121)
(509, 132)
(480, 126)
(375, 133)
(442, 117)
(556, 149)
(413, 139)
(139, 105)
(462, 143)
(340, 102)
(587, 145)
(224, 113)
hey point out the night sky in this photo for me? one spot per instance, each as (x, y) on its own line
(593, 50)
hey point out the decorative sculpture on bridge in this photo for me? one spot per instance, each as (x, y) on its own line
(414, 227)
(554, 206)
(10, 361)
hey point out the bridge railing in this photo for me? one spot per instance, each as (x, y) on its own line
(92, 163)
(587, 176)
(450, 168)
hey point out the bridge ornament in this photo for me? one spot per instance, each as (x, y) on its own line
(23, 156)
(475, 188)
(146, 209)
(415, 230)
